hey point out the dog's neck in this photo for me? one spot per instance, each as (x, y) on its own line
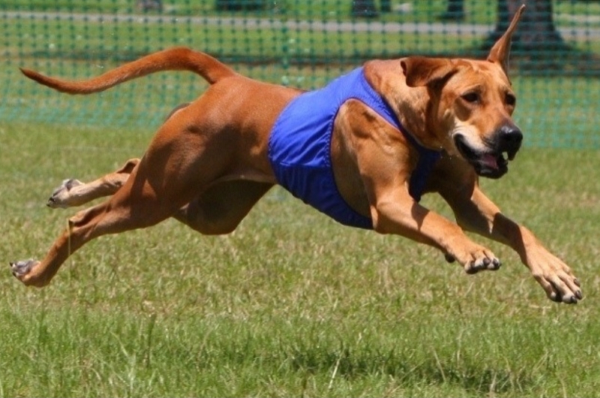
(413, 105)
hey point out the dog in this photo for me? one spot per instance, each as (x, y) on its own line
(392, 130)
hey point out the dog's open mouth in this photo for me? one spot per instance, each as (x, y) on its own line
(491, 164)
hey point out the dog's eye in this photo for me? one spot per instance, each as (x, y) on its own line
(511, 100)
(471, 98)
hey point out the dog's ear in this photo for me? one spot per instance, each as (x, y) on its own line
(501, 49)
(421, 71)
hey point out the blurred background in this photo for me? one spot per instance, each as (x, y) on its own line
(300, 43)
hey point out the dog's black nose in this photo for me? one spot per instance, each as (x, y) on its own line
(510, 136)
(509, 139)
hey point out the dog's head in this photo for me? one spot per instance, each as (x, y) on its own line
(470, 113)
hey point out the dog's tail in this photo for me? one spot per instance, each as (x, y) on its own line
(179, 58)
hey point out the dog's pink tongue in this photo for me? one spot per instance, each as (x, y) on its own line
(489, 161)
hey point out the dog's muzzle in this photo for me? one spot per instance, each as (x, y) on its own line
(492, 162)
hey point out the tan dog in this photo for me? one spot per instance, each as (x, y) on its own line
(211, 160)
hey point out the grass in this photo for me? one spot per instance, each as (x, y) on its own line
(119, 41)
(571, 13)
(290, 304)
(479, 12)
(300, 58)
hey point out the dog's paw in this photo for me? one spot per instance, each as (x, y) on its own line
(555, 277)
(61, 195)
(22, 271)
(479, 259)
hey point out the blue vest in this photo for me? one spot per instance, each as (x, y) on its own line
(300, 146)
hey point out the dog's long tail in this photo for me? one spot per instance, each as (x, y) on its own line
(178, 58)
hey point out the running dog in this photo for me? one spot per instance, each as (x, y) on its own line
(362, 150)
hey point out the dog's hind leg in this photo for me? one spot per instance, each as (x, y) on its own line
(221, 208)
(167, 178)
(72, 192)
(216, 211)
(76, 193)
(136, 205)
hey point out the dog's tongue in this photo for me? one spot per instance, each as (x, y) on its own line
(489, 161)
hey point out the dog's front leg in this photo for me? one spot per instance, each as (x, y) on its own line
(396, 212)
(477, 213)
(383, 161)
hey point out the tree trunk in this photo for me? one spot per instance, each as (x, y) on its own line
(536, 31)
(386, 6)
(364, 9)
(455, 11)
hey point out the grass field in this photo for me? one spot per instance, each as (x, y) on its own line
(420, 11)
(557, 109)
(291, 304)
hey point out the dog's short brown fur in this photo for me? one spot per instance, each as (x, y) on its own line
(208, 165)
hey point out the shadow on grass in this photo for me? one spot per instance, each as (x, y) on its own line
(478, 378)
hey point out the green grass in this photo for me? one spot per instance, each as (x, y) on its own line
(79, 40)
(567, 13)
(554, 110)
(290, 304)
(423, 11)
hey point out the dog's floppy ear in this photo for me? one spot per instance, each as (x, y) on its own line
(501, 49)
(421, 71)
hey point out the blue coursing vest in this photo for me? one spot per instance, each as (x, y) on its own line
(300, 146)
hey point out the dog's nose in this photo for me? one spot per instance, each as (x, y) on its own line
(510, 136)
(510, 139)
